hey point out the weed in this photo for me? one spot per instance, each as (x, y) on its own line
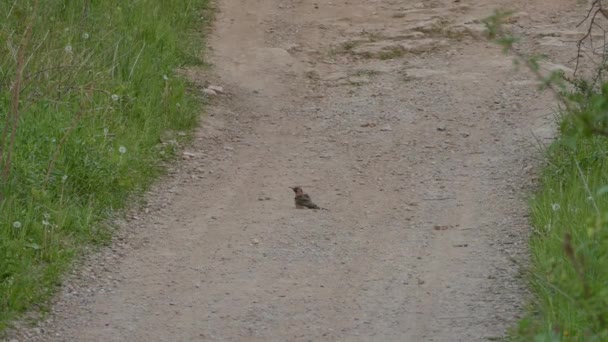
(366, 72)
(374, 37)
(345, 47)
(348, 46)
(391, 52)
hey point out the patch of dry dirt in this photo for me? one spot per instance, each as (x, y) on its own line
(414, 133)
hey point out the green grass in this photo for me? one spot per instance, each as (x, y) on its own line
(568, 270)
(569, 245)
(99, 89)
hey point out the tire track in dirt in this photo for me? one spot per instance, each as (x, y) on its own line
(413, 132)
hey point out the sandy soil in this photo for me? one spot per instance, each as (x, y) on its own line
(416, 135)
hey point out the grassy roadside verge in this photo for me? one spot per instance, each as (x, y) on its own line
(86, 90)
(569, 216)
(569, 246)
(568, 272)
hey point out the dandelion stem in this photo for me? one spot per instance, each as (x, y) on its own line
(114, 63)
(584, 180)
(136, 60)
(75, 121)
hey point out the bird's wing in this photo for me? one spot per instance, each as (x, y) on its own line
(305, 201)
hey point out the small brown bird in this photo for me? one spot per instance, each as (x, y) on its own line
(303, 200)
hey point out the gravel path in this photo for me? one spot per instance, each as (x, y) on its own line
(417, 136)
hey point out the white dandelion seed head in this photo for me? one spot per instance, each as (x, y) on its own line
(64, 178)
(68, 48)
(115, 97)
(16, 224)
(85, 36)
(45, 223)
(122, 150)
(555, 206)
(165, 78)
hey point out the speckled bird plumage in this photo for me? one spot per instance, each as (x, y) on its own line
(302, 200)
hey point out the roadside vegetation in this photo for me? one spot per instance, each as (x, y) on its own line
(87, 89)
(568, 270)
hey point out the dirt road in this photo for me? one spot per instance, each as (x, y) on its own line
(416, 135)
